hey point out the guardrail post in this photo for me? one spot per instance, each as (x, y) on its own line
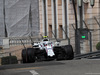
(90, 33)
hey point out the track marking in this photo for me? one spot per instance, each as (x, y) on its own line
(95, 59)
(92, 73)
(29, 68)
(33, 72)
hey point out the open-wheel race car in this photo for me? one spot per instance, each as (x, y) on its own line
(46, 50)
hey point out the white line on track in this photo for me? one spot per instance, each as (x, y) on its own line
(33, 72)
(92, 73)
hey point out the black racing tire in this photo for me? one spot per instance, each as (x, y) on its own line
(59, 53)
(30, 55)
(24, 58)
(69, 54)
(40, 54)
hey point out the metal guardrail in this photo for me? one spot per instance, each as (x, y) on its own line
(27, 41)
(88, 55)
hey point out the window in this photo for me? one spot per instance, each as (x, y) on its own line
(59, 2)
(60, 31)
(49, 2)
(50, 31)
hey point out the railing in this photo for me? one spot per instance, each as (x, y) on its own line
(26, 40)
(90, 55)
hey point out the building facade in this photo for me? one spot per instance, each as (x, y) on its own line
(57, 17)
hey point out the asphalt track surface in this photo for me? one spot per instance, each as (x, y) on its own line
(68, 67)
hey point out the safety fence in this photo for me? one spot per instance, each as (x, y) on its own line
(93, 26)
(26, 40)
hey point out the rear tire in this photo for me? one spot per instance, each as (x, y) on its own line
(69, 54)
(59, 53)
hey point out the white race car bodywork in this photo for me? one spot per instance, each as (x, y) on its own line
(48, 46)
(47, 50)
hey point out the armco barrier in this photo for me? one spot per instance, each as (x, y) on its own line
(90, 55)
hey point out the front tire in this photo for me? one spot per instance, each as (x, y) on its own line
(59, 53)
(24, 58)
(31, 55)
(28, 55)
